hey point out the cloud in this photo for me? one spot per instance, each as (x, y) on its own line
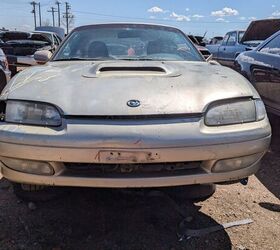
(187, 9)
(220, 19)
(197, 16)
(273, 6)
(179, 18)
(152, 17)
(276, 13)
(251, 18)
(155, 9)
(225, 12)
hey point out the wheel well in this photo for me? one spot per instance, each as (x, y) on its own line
(236, 55)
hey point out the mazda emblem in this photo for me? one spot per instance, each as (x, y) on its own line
(133, 103)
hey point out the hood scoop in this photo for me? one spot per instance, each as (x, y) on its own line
(109, 69)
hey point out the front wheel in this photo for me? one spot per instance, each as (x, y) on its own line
(29, 192)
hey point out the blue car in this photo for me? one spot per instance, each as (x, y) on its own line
(238, 41)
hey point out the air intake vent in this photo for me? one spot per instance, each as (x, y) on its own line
(134, 69)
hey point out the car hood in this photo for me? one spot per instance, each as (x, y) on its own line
(104, 88)
(260, 30)
(17, 36)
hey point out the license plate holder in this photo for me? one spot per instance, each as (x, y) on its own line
(117, 156)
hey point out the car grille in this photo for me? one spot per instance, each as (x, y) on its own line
(92, 168)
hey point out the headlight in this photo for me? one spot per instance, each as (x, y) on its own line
(32, 113)
(235, 112)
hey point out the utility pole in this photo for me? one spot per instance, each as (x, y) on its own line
(58, 11)
(40, 17)
(67, 15)
(33, 3)
(53, 10)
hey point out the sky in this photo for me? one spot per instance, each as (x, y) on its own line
(215, 17)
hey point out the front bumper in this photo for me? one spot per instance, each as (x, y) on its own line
(133, 144)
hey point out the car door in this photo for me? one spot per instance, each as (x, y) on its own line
(222, 49)
(229, 50)
(266, 73)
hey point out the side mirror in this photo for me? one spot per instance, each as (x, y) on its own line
(42, 56)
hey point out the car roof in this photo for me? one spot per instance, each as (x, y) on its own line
(236, 31)
(125, 23)
(43, 32)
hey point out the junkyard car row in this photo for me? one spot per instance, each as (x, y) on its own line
(20, 47)
(137, 105)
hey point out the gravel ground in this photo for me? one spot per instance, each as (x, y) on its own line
(142, 219)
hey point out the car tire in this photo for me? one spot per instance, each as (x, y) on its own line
(194, 193)
(36, 193)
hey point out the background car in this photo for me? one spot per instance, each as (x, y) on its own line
(200, 45)
(262, 67)
(20, 47)
(5, 73)
(238, 41)
(216, 40)
(53, 37)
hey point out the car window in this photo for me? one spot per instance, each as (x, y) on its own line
(273, 47)
(232, 39)
(59, 39)
(56, 41)
(224, 42)
(47, 35)
(131, 42)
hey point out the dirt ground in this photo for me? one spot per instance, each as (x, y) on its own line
(123, 219)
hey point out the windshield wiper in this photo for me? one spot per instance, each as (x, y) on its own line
(70, 59)
(82, 59)
(135, 59)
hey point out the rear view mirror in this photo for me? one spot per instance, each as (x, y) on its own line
(42, 56)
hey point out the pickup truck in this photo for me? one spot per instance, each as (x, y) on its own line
(238, 41)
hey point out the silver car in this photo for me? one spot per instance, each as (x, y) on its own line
(128, 106)
(5, 73)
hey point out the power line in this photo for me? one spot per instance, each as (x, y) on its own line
(156, 19)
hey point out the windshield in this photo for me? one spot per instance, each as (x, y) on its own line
(127, 42)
